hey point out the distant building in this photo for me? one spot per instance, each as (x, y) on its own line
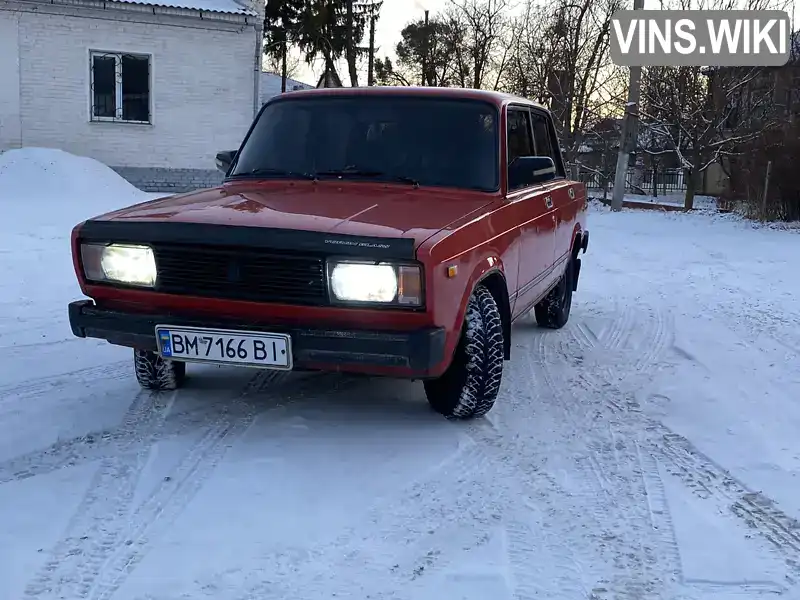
(152, 88)
(271, 85)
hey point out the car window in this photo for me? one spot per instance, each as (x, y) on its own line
(518, 136)
(544, 141)
(434, 141)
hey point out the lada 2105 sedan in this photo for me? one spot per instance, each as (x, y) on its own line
(384, 231)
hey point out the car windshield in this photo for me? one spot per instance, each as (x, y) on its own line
(426, 141)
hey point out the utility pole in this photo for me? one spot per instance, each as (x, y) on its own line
(284, 51)
(630, 130)
(425, 51)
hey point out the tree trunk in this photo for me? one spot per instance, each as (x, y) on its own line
(284, 67)
(351, 46)
(688, 201)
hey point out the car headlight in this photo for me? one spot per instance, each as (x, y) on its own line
(119, 263)
(382, 283)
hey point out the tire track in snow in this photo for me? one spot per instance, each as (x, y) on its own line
(173, 495)
(93, 446)
(71, 565)
(654, 343)
(38, 387)
(710, 481)
(541, 564)
(102, 445)
(105, 520)
(406, 538)
(405, 534)
(704, 477)
(639, 338)
(630, 444)
(620, 328)
(618, 500)
(169, 500)
(558, 552)
(409, 533)
(660, 515)
(156, 514)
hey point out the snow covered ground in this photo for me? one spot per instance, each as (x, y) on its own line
(649, 450)
(701, 202)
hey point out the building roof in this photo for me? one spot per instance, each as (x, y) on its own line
(235, 7)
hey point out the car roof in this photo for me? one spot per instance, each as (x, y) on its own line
(497, 98)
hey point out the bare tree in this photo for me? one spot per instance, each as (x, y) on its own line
(601, 142)
(273, 62)
(482, 28)
(436, 46)
(560, 57)
(703, 115)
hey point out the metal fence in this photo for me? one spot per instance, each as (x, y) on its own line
(664, 181)
(649, 181)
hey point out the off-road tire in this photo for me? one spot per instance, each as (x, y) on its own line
(553, 310)
(156, 373)
(470, 385)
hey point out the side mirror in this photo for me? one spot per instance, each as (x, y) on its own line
(225, 159)
(530, 170)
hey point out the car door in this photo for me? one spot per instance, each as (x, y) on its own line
(535, 212)
(561, 192)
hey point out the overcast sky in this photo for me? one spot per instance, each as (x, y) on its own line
(394, 16)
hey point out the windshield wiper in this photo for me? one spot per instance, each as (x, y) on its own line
(368, 173)
(265, 172)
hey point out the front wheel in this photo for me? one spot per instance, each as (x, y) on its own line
(471, 383)
(156, 373)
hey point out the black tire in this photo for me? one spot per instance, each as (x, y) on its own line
(553, 311)
(156, 373)
(471, 383)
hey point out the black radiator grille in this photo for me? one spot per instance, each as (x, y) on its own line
(241, 274)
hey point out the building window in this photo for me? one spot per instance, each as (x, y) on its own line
(120, 87)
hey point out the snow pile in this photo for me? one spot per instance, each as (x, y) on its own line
(44, 193)
(45, 180)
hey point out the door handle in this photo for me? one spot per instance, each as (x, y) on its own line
(548, 201)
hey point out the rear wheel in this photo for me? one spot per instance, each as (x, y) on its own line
(553, 311)
(156, 373)
(471, 383)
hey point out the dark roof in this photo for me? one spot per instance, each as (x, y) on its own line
(498, 98)
(329, 79)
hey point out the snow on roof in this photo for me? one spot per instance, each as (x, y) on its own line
(218, 6)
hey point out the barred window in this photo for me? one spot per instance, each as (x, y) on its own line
(120, 87)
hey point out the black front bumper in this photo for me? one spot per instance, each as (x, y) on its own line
(349, 350)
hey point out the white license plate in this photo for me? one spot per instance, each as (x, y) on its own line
(222, 346)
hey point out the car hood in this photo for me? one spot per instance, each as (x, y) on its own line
(332, 207)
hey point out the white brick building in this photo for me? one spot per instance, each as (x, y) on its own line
(152, 88)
